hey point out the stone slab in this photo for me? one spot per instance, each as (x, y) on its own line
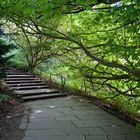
(68, 119)
(98, 123)
(119, 130)
(96, 131)
(56, 138)
(124, 137)
(23, 125)
(76, 132)
(96, 138)
(50, 132)
(50, 125)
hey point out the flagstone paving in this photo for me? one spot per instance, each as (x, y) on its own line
(74, 118)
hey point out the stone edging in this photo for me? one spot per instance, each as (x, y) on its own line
(25, 118)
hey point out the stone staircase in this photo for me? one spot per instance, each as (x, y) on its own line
(29, 86)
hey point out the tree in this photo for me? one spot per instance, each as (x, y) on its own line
(36, 48)
(4, 49)
(107, 34)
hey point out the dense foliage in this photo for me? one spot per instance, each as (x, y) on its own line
(5, 47)
(94, 44)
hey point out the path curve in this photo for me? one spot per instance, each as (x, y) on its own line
(74, 118)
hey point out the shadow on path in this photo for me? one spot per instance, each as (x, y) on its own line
(74, 118)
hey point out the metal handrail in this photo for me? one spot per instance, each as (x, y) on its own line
(62, 79)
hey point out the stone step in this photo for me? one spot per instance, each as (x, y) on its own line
(44, 96)
(13, 70)
(36, 92)
(30, 87)
(26, 81)
(26, 84)
(20, 76)
(22, 79)
(16, 73)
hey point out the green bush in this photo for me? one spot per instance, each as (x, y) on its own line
(4, 97)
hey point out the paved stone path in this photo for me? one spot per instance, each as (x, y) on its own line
(74, 118)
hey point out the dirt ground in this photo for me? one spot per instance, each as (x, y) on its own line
(11, 112)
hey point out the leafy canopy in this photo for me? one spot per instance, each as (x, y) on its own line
(99, 39)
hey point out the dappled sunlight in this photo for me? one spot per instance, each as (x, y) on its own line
(52, 106)
(37, 111)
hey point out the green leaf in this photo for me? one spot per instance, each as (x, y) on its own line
(138, 127)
